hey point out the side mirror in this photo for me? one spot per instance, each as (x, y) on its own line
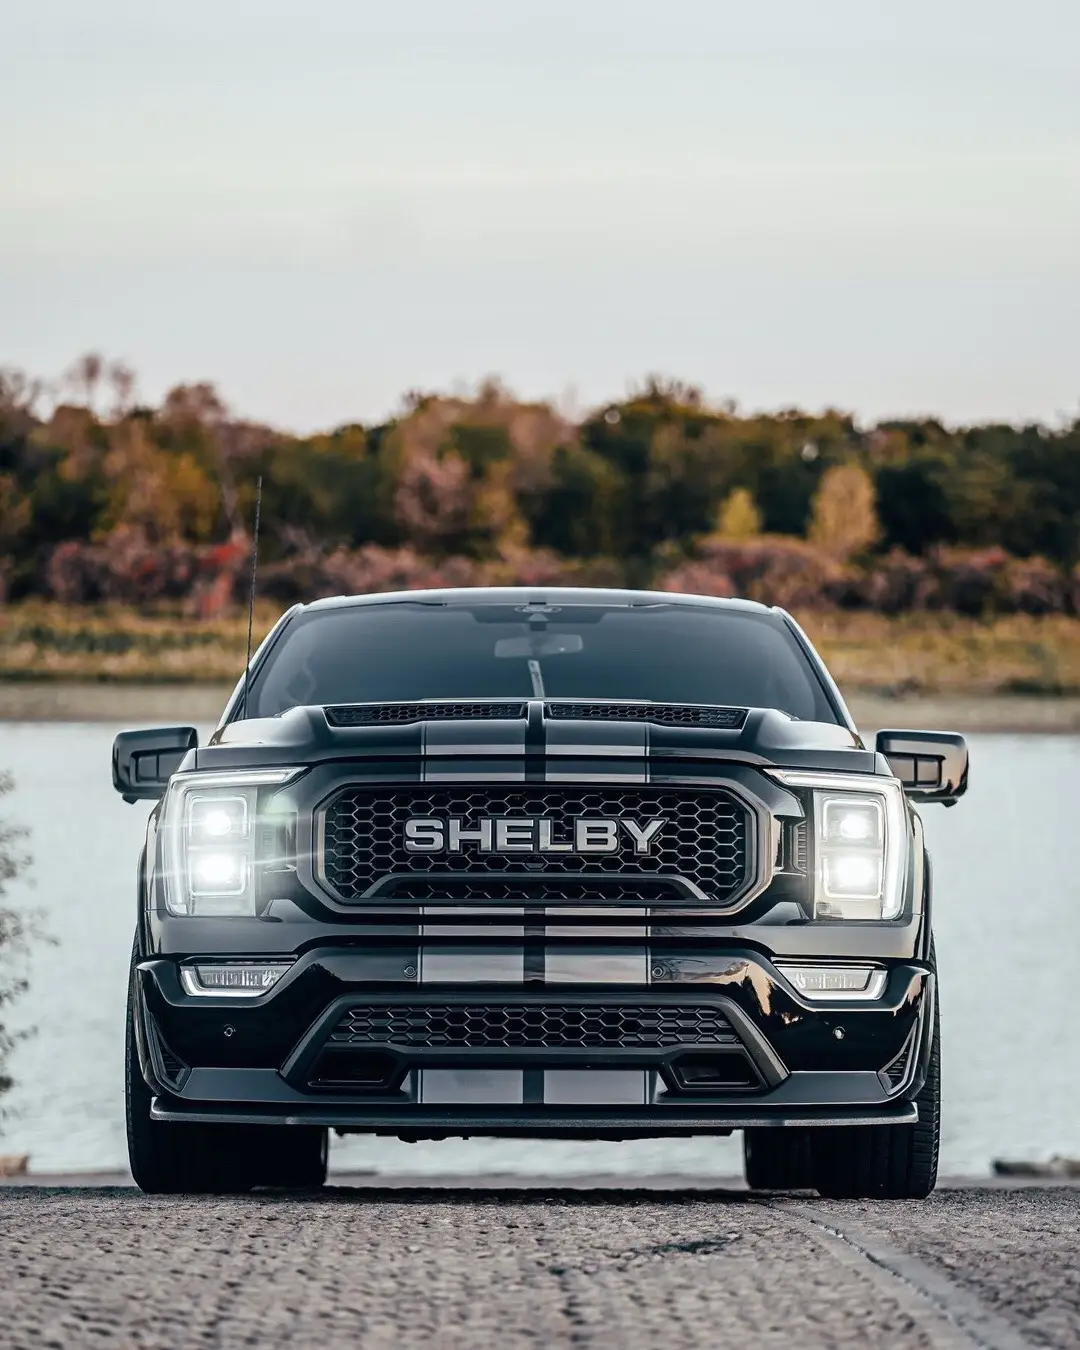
(143, 761)
(932, 765)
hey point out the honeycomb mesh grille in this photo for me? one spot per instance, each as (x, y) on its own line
(705, 836)
(670, 714)
(397, 714)
(551, 1026)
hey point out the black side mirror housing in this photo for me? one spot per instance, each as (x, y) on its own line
(144, 761)
(932, 765)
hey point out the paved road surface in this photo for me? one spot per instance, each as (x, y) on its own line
(396, 1267)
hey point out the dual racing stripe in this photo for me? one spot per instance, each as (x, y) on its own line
(506, 963)
(534, 751)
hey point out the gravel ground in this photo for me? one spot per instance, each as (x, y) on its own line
(456, 1267)
(1017, 1251)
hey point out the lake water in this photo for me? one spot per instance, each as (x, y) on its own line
(1008, 934)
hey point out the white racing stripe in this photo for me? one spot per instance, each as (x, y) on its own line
(465, 1087)
(593, 965)
(607, 930)
(575, 750)
(618, 966)
(458, 964)
(526, 958)
(595, 739)
(589, 1087)
(445, 743)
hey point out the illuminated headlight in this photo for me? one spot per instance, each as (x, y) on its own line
(231, 979)
(209, 834)
(847, 875)
(829, 982)
(218, 873)
(860, 840)
(214, 816)
(848, 819)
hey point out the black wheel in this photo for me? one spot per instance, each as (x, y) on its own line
(777, 1159)
(166, 1157)
(887, 1162)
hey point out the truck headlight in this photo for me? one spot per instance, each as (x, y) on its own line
(860, 841)
(209, 835)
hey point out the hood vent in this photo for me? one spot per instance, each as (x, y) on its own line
(397, 714)
(670, 714)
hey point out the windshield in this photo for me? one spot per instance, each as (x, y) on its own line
(669, 653)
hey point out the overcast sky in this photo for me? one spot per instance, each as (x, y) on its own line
(321, 205)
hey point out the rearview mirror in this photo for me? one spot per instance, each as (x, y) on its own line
(932, 765)
(144, 761)
(539, 644)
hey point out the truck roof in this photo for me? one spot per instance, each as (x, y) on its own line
(521, 595)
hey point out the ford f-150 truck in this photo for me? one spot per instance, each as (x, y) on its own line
(536, 862)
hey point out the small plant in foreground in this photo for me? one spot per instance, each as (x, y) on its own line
(16, 932)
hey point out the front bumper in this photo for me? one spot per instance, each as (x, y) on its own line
(783, 1061)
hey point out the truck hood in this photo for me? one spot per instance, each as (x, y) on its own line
(537, 731)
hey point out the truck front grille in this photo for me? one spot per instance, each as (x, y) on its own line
(706, 839)
(544, 1026)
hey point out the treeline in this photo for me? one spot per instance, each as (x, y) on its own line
(103, 498)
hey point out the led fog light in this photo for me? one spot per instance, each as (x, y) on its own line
(231, 979)
(829, 982)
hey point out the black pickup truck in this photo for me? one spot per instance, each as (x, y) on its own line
(536, 862)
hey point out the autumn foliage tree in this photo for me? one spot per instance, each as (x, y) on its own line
(738, 517)
(843, 515)
(102, 497)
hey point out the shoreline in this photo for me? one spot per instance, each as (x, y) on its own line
(528, 1181)
(121, 703)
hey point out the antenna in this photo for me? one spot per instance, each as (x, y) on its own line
(251, 593)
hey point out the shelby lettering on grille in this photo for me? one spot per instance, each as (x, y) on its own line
(474, 832)
(524, 834)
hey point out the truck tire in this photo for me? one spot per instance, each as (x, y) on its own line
(777, 1159)
(887, 1162)
(290, 1156)
(170, 1158)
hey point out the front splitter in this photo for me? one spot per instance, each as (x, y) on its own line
(532, 1121)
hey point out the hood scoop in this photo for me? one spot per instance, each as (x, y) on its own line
(399, 714)
(668, 714)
